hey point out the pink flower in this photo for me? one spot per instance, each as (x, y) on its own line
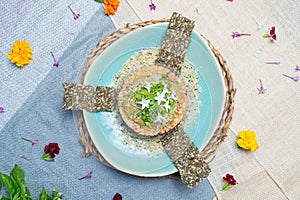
(237, 34)
(89, 175)
(261, 90)
(33, 142)
(117, 197)
(152, 6)
(75, 15)
(271, 34)
(273, 63)
(55, 62)
(50, 151)
(294, 78)
(229, 181)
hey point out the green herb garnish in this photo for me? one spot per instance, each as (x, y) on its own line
(152, 100)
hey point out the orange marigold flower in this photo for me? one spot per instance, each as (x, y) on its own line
(111, 6)
(21, 53)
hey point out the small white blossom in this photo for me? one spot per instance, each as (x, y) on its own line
(159, 98)
(173, 95)
(159, 118)
(167, 106)
(165, 90)
(144, 103)
(148, 86)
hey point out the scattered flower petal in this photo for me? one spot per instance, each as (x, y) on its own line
(56, 63)
(229, 181)
(259, 25)
(50, 150)
(247, 140)
(21, 53)
(273, 63)
(2, 110)
(230, 0)
(145, 103)
(117, 197)
(297, 68)
(33, 142)
(271, 34)
(261, 90)
(237, 34)
(152, 6)
(75, 15)
(26, 158)
(294, 78)
(111, 6)
(89, 175)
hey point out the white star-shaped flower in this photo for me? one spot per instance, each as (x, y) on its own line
(167, 106)
(144, 103)
(159, 98)
(148, 86)
(159, 118)
(165, 90)
(173, 95)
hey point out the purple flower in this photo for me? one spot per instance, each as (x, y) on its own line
(261, 90)
(152, 6)
(56, 63)
(294, 78)
(297, 68)
(76, 16)
(25, 158)
(89, 175)
(2, 110)
(273, 63)
(33, 142)
(237, 34)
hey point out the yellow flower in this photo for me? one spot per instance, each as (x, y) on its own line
(111, 6)
(247, 140)
(21, 53)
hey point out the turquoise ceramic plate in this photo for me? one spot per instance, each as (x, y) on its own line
(109, 63)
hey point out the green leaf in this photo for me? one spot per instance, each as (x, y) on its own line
(18, 174)
(44, 195)
(99, 1)
(9, 184)
(5, 198)
(266, 35)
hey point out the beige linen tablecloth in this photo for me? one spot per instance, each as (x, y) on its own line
(273, 171)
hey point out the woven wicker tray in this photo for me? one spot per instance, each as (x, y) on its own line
(218, 136)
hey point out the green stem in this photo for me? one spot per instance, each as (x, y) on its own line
(99, 1)
(226, 186)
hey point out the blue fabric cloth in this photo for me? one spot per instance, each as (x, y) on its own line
(32, 97)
